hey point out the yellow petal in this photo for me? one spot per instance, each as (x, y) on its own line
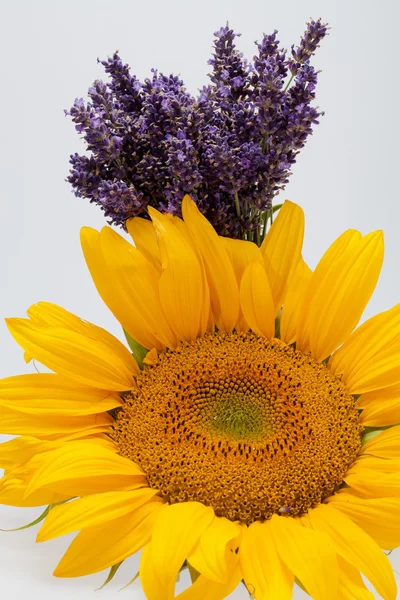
(204, 588)
(140, 280)
(175, 533)
(94, 432)
(47, 393)
(382, 465)
(356, 547)
(241, 253)
(144, 237)
(256, 301)
(385, 445)
(338, 292)
(91, 511)
(224, 294)
(378, 517)
(207, 320)
(281, 249)
(81, 468)
(128, 284)
(368, 360)
(16, 422)
(344, 243)
(182, 280)
(371, 483)
(215, 555)
(380, 407)
(21, 449)
(109, 284)
(293, 300)
(105, 545)
(351, 585)
(13, 493)
(46, 313)
(264, 573)
(89, 360)
(308, 555)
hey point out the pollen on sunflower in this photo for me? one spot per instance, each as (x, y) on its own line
(245, 425)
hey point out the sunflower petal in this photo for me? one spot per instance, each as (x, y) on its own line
(175, 534)
(264, 572)
(296, 290)
(21, 449)
(338, 292)
(81, 468)
(281, 250)
(16, 422)
(206, 588)
(112, 289)
(89, 360)
(356, 547)
(380, 407)
(215, 556)
(368, 360)
(309, 556)
(128, 284)
(241, 254)
(46, 313)
(144, 237)
(372, 483)
(378, 517)
(181, 282)
(91, 511)
(382, 465)
(13, 493)
(105, 545)
(351, 584)
(385, 445)
(256, 301)
(224, 294)
(47, 393)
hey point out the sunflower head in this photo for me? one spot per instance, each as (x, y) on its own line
(236, 448)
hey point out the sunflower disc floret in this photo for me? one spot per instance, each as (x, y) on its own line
(245, 425)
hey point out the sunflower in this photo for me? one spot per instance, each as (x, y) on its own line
(236, 439)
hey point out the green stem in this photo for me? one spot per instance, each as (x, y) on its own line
(265, 222)
(288, 83)
(236, 196)
(258, 235)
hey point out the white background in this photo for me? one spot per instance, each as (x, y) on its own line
(347, 176)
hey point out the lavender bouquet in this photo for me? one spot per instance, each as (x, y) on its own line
(231, 148)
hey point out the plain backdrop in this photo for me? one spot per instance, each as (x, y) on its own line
(347, 176)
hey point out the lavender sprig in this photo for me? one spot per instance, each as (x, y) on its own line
(231, 148)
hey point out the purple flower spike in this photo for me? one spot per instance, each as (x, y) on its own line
(231, 148)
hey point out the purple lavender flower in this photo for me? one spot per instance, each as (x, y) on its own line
(231, 148)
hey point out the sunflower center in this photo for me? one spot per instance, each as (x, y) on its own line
(248, 426)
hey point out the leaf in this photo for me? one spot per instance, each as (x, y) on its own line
(276, 208)
(41, 517)
(130, 582)
(138, 351)
(371, 432)
(111, 574)
(35, 522)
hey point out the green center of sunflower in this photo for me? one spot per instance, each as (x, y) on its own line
(237, 416)
(248, 426)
